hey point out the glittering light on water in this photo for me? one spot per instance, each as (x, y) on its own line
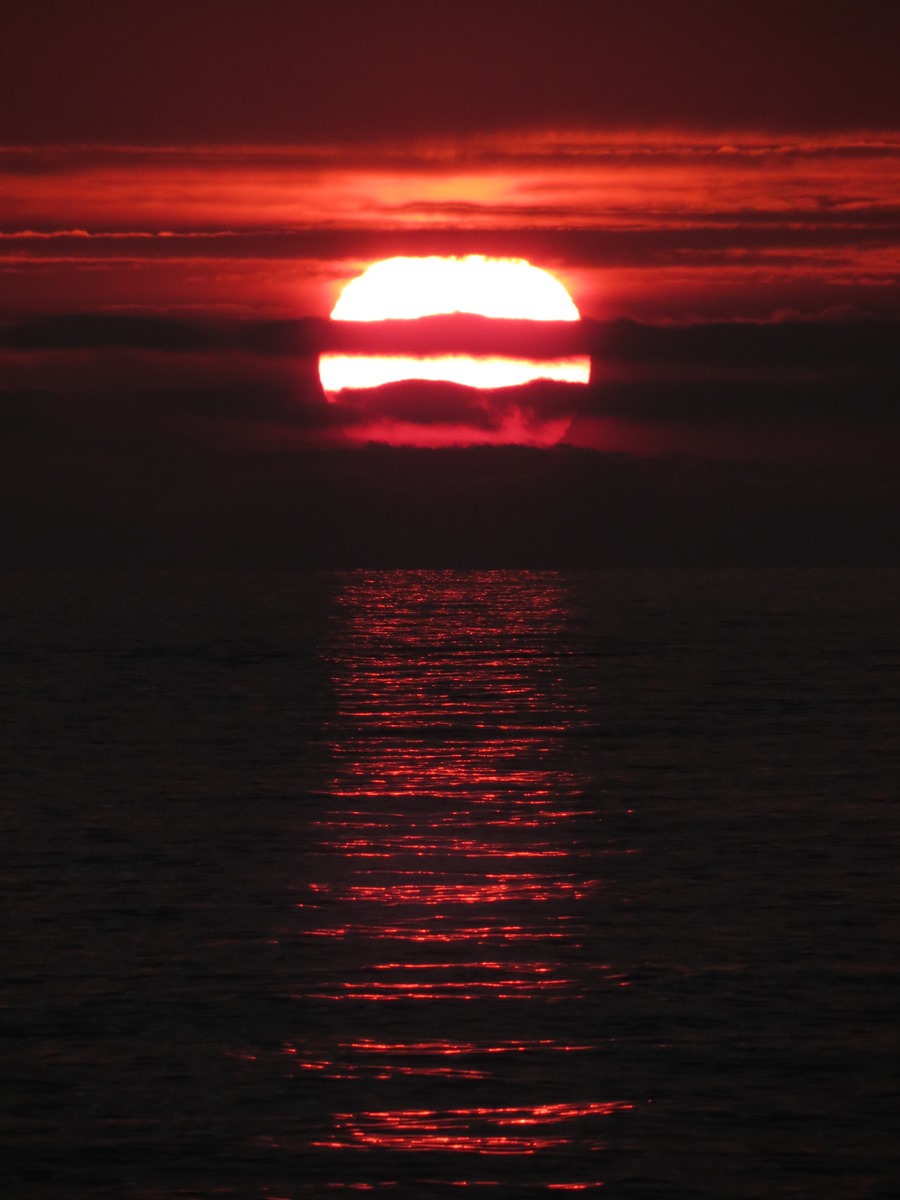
(452, 1129)
(448, 876)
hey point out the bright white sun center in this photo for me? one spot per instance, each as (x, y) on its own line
(405, 288)
(340, 371)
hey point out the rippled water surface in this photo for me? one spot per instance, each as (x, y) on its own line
(496, 884)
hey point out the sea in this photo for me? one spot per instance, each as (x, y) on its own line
(501, 885)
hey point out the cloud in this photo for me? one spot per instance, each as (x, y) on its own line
(89, 331)
(261, 377)
(664, 222)
(178, 442)
(822, 346)
(833, 341)
(115, 388)
(590, 180)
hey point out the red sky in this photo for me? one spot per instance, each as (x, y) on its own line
(211, 174)
(164, 72)
(656, 224)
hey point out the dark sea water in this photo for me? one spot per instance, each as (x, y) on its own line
(497, 884)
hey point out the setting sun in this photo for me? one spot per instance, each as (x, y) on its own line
(406, 292)
(405, 288)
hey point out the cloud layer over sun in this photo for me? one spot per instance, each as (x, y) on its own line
(743, 391)
(656, 225)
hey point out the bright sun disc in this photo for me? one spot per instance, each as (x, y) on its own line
(406, 288)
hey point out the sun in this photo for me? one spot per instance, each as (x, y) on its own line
(407, 288)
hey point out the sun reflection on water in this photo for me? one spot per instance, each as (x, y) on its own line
(450, 891)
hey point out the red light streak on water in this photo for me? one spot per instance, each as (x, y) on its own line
(370, 848)
(461, 990)
(399, 933)
(535, 968)
(465, 1144)
(499, 889)
(478, 1130)
(518, 1114)
(367, 1046)
(349, 1063)
(354, 1187)
(573, 1187)
(530, 979)
(452, 828)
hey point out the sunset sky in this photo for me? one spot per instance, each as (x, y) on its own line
(186, 188)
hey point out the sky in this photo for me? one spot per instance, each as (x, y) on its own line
(186, 188)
